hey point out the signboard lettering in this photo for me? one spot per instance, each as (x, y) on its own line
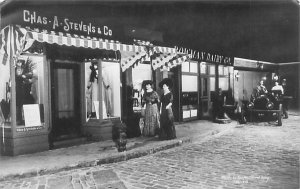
(206, 57)
(65, 24)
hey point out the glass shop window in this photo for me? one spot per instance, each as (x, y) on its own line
(191, 67)
(203, 68)
(224, 77)
(91, 90)
(139, 73)
(223, 83)
(189, 96)
(212, 83)
(189, 83)
(111, 90)
(5, 94)
(212, 69)
(29, 79)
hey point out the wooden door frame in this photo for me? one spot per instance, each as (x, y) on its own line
(57, 63)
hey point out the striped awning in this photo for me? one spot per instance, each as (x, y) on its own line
(130, 54)
(20, 40)
(165, 61)
(129, 59)
(160, 59)
(16, 39)
(92, 43)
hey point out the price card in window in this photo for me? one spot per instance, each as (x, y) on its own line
(32, 115)
(186, 114)
(193, 113)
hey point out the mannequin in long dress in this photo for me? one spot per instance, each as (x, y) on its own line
(92, 91)
(107, 95)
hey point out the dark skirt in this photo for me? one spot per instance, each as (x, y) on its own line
(167, 128)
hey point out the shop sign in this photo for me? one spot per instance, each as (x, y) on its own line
(206, 57)
(64, 24)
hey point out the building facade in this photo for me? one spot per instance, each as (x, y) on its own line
(65, 77)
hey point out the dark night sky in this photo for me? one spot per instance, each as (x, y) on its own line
(265, 30)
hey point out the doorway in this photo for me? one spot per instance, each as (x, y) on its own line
(204, 97)
(65, 100)
(173, 74)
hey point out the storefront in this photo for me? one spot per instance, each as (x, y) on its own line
(247, 75)
(154, 67)
(198, 79)
(62, 78)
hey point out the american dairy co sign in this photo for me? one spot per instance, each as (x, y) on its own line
(64, 24)
(206, 57)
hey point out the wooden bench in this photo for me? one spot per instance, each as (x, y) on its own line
(277, 111)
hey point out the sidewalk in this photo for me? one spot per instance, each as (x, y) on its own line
(98, 153)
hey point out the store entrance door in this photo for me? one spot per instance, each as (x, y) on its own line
(65, 101)
(204, 97)
(173, 74)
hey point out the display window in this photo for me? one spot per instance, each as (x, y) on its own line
(190, 67)
(29, 80)
(203, 68)
(225, 77)
(109, 90)
(212, 69)
(189, 83)
(92, 90)
(5, 94)
(139, 73)
(189, 89)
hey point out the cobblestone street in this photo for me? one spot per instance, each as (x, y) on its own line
(259, 155)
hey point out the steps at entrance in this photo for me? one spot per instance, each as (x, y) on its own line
(70, 142)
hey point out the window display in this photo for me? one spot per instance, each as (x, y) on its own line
(212, 69)
(139, 74)
(190, 83)
(92, 98)
(224, 77)
(29, 87)
(203, 68)
(111, 93)
(5, 94)
(110, 90)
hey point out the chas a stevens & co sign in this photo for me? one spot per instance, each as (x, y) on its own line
(34, 19)
(206, 57)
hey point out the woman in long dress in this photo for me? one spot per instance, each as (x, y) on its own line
(167, 128)
(151, 100)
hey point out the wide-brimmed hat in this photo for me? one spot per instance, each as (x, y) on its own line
(146, 82)
(166, 81)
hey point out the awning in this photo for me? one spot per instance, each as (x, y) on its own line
(17, 40)
(81, 42)
(165, 61)
(129, 59)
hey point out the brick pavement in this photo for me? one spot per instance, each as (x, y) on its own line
(250, 156)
